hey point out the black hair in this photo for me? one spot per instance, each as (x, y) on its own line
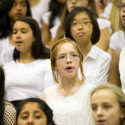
(5, 27)
(38, 49)
(2, 79)
(42, 105)
(68, 21)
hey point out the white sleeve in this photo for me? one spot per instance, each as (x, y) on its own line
(103, 23)
(104, 69)
(46, 17)
(48, 77)
(122, 69)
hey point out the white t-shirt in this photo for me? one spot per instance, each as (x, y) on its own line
(96, 66)
(71, 110)
(6, 51)
(117, 40)
(39, 10)
(122, 69)
(27, 80)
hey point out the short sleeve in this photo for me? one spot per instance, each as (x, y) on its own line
(103, 23)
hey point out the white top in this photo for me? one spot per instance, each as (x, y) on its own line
(122, 69)
(96, 66)
(117, 40)
(6, 51)
(71, 110)
(27, 80)
(39, 10)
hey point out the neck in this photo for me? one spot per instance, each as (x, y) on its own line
(68, 84)
(85, 48)
(26, 58)
(68, 87)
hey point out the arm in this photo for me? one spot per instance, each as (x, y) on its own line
(45, 32)
(104, 69)
(103, 42)
(114, 76)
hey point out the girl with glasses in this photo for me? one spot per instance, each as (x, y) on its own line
(69, 97)
(82, 27)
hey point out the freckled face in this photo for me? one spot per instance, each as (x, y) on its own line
(67, 68)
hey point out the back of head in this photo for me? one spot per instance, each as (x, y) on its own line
(96, 31)
(38, 49)
(42, 105)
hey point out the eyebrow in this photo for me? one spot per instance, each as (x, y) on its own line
(69, 52)
(26, 112)
(20, 28)
(82, 19)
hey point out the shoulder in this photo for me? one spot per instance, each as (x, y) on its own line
(115, 35)
(47, 92)
(9, 114)
(50, 89)
(101, 52)
(9, 64)
(9, 106)
(89, 86)
(46, 63)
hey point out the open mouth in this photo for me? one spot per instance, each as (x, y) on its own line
(69, 68)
